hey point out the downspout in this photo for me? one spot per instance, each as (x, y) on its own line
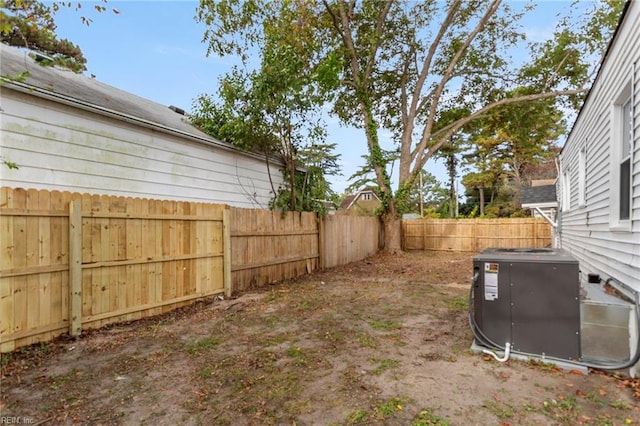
(557, 231)
(632, 140)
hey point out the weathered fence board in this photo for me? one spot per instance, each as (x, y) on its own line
(268, 246)
(474, 235)
(346, 239)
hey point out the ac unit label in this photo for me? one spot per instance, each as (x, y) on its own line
(491, 281)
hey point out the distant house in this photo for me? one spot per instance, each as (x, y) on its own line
(69, 132)
(363, 203)
(599, 184)
(540, 198)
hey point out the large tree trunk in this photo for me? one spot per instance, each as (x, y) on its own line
(392, 236)
(392, 229)
(481, 189)
(517, 185)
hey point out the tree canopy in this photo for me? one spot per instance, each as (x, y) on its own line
(31, 24)
(272, 110)
(507, 143)
(422, 70)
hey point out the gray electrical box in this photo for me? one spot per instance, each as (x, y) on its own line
(529, 298)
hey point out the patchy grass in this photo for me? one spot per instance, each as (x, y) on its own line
(350, 351)
(427, 417)
(500, 409)
(199, 346)
(460, 303)
(383, 365)
(384, 409)
(358, 417)
(367, 341)
(562, 408)
(385, 325)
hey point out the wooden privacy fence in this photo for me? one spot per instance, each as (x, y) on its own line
(74, 261)
(347, 239)
(474, 235)
(267, 246)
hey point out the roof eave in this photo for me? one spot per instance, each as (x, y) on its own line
(67, 100)
(541, 205)
(602, 61)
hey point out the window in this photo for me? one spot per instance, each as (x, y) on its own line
(366, 196)
(625, 162)
(566, 191)
(582, 177)
(620, 161)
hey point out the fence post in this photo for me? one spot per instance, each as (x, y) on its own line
(424, 234)
(321, 241)
(75, 267)
(226, 248)
(475, 236)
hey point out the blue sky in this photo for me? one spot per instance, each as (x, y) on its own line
(154, 49)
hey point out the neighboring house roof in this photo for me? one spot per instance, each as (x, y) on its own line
(65, 86)
(538, 195)
(346, 203)
(349, 200)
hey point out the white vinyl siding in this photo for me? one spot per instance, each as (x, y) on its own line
(60, 147)
(582, 179)
(594, 233)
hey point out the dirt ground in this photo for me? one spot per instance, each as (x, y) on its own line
(382, 341)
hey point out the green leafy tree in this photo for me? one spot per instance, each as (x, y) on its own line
(313, 190)
(450, 152)
(428, 193)
(274, 107)
(510, 141)
(479, 182)
(401, 66)
(267, 111)
(31, 24)
(365, 176)
(320, 161)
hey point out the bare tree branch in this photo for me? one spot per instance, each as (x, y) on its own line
(382, 17)
(491, 10)
(445, 133)
(424, 72)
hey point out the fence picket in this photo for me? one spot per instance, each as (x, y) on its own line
(72, 261)
(474, 235)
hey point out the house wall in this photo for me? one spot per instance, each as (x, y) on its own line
(70, 149)
(588, 223)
